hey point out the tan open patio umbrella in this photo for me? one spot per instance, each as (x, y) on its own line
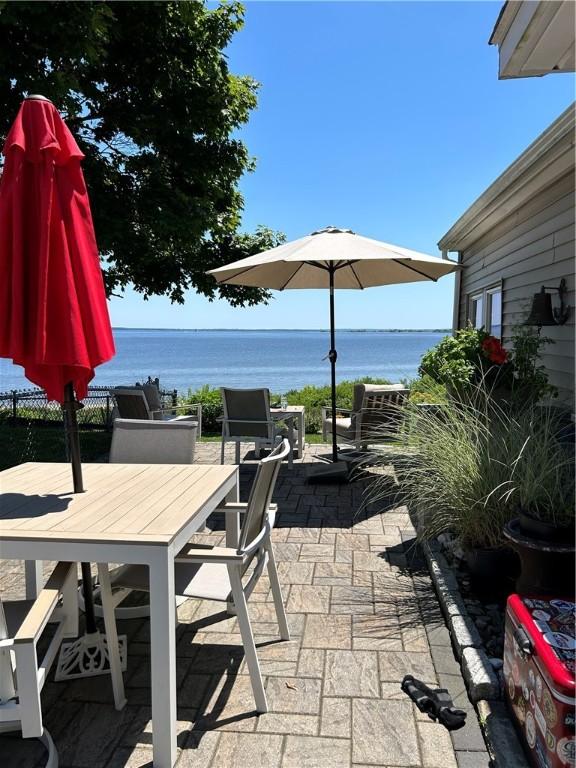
(333, 258)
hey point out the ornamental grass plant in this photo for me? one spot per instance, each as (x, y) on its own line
(540, 480)
(466, 466)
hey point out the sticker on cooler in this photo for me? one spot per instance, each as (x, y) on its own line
(530, 730)
(540, 720)
(566, 751)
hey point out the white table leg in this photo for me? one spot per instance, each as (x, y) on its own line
(232, 520)
(34, 576)
(163, 659)
(301, 432)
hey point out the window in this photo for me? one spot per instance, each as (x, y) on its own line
(476, 310)
(485, 310)
(494, 324)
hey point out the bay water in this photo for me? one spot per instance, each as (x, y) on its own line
(277, 359)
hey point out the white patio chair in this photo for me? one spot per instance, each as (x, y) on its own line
(135, 441)
(144, 402)
(247, 418)
(222, 573)
(22, 678)
(374, 411)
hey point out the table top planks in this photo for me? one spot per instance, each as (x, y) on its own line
(125, 503)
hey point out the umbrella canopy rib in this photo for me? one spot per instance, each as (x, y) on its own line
(293, 275)
(418, 271)
(356, 276)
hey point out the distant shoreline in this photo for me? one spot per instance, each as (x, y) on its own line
(289, 330)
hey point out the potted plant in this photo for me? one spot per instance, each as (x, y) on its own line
(541, 489)
(469, 358)
(453, 457)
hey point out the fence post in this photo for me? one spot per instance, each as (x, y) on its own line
(14, 406)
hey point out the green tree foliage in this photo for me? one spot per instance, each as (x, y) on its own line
(146, 89)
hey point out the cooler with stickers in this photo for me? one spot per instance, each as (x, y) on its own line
(539, 653)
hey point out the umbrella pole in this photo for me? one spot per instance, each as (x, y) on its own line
(336, 471)
(72, 437)
(70, 407)
(333, 356)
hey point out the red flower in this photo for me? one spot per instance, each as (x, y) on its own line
(494, 351)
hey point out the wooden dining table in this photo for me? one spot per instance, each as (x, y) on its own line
(129, 513)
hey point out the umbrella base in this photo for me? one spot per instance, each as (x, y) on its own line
(88, 656)
(328, 473)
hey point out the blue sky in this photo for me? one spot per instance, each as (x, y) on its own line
(385, 117)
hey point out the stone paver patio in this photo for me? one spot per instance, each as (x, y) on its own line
(362, 613)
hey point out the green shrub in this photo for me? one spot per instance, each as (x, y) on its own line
(426, 390)
(461, 361)
(530, 379)
(311, 397)
(455, 360)
(211, 402)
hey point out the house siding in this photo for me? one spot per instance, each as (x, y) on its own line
(531, 247)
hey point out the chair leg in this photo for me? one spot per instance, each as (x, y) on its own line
(28, 690)
(291, 441)
(111, 636)
(247, 639)
(222, 450)
(277, 593)
(237, 452)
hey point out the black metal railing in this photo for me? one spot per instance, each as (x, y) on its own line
(23, 406)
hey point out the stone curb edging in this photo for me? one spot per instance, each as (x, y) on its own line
(482, 683)
(481, 679)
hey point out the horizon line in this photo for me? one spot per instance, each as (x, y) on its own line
(293, 330)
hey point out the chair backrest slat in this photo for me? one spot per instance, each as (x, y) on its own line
(246, 412)
(261, 494)
(380, 411)
(135, 441)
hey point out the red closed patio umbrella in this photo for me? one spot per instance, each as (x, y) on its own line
(53, 313)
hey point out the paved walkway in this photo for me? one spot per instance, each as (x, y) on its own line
(362, 613)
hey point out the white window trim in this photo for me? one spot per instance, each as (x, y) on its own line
(485, 294)
(472, 297)
(488, 306)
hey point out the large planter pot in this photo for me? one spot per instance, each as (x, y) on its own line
(547, 566)
(492, 571)
(543, 531)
